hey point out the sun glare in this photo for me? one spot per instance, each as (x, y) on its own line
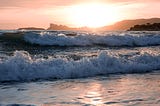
(92, 15)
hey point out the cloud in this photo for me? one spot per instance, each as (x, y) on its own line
(51, 3)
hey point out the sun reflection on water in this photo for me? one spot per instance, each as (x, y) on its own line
(93, 94)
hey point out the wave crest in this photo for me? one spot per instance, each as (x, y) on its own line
(21, 67)
(47, 38)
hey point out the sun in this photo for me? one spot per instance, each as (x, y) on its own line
(92, 15)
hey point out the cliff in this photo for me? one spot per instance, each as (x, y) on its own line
(64, 27)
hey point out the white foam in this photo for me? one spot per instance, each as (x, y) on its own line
(21, 67)
(48, 38)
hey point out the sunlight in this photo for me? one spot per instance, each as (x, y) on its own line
(93, 94)
(92, 15)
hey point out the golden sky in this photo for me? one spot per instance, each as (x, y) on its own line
(74, 13)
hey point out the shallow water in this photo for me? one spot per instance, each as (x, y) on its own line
(112, 90)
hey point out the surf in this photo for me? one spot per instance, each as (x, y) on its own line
(68, 38)
(21, 67)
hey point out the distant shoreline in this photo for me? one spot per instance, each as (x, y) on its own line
(31, 28)
(124, 25)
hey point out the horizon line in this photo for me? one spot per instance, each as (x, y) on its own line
(81, 26)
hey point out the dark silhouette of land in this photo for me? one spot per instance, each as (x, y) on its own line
(126, 24)
(64, 27)
(31, 28)
(119, 26)
(146, 27)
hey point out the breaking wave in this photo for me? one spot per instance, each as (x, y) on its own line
(47, 38)
(21, 67)
(60, 38)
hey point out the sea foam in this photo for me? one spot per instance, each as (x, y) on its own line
(50, 38)
(21, 67)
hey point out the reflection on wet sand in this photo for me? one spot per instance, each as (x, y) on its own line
(116, 90)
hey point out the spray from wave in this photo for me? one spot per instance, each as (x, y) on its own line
(21, 67)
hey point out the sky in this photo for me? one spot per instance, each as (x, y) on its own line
(74, 13)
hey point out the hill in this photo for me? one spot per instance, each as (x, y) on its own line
(146, 27)
(126, 24)
(64, 27)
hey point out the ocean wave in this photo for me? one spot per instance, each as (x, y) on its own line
(21, 67)
(47, 38)
(62, 38)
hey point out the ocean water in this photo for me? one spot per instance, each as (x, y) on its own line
(74, 68)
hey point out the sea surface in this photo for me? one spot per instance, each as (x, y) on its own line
(75, 68)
